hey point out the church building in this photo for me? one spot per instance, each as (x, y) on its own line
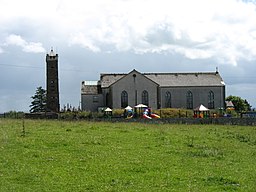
(156, 90)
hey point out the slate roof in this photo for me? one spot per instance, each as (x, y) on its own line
(186, 79)
(89, 87)
(108, 79)
(171, 79)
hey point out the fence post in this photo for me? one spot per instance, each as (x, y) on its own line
(23, 128)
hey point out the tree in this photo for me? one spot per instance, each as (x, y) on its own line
(248, 105)
(39, 101)
(239, 103)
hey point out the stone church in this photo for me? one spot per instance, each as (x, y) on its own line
(156, 90)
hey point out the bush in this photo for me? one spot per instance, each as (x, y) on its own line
(173, 113)
(67, 115)
(13, 114)
(118, 112)
(72, 115)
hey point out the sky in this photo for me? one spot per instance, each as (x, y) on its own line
(117, 36)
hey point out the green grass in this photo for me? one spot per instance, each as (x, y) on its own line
(103, 156)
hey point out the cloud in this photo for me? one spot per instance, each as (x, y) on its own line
(80, 39)
(221, 30)
(199, 30)
(31, 47)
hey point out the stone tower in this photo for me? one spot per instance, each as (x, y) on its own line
(52, 83)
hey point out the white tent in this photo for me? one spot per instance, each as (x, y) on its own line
(201, 112)
(201, 108)
(140, 106)
(128, 108)
(229, 104)
(108, 110)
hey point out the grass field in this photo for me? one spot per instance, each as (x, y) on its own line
(100, 156)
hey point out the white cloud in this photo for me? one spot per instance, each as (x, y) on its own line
(199, 29)
(31, 47)
(80, 39)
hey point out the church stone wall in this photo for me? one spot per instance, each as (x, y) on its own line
(200, 96)
(134, 84)
(91, 102)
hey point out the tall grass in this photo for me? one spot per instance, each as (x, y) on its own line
(97, 156)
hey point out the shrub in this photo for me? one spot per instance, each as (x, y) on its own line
(173, 113)
(83, 115)
(13, 114)
(66, 115)
(117, 112)
(80, 115)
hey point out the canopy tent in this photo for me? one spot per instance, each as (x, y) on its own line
(128, 108)
(108, 110)
(141, 106)
(140, 110)
(201, 108)
(201, 111)
(128, 112)
(230, 105)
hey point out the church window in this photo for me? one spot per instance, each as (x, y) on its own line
(211, 100)
(168, 103)
(124, 99)
(144, 98)
(189, 100)
(107, 100)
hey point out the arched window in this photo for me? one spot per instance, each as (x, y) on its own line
(144, 97)
(189, 100)
(168, 100)
(124, 99)
(211, 100)
(107, 100)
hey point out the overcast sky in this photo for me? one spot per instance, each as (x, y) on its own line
(99, 36)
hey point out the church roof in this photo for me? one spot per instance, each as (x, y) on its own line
(186, 79)
(108, 79)
(89, 87)
(171, 79)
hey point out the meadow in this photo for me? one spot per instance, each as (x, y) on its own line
(52, 155)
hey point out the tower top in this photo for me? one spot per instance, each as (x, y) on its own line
(51, 56)
(52, 53)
